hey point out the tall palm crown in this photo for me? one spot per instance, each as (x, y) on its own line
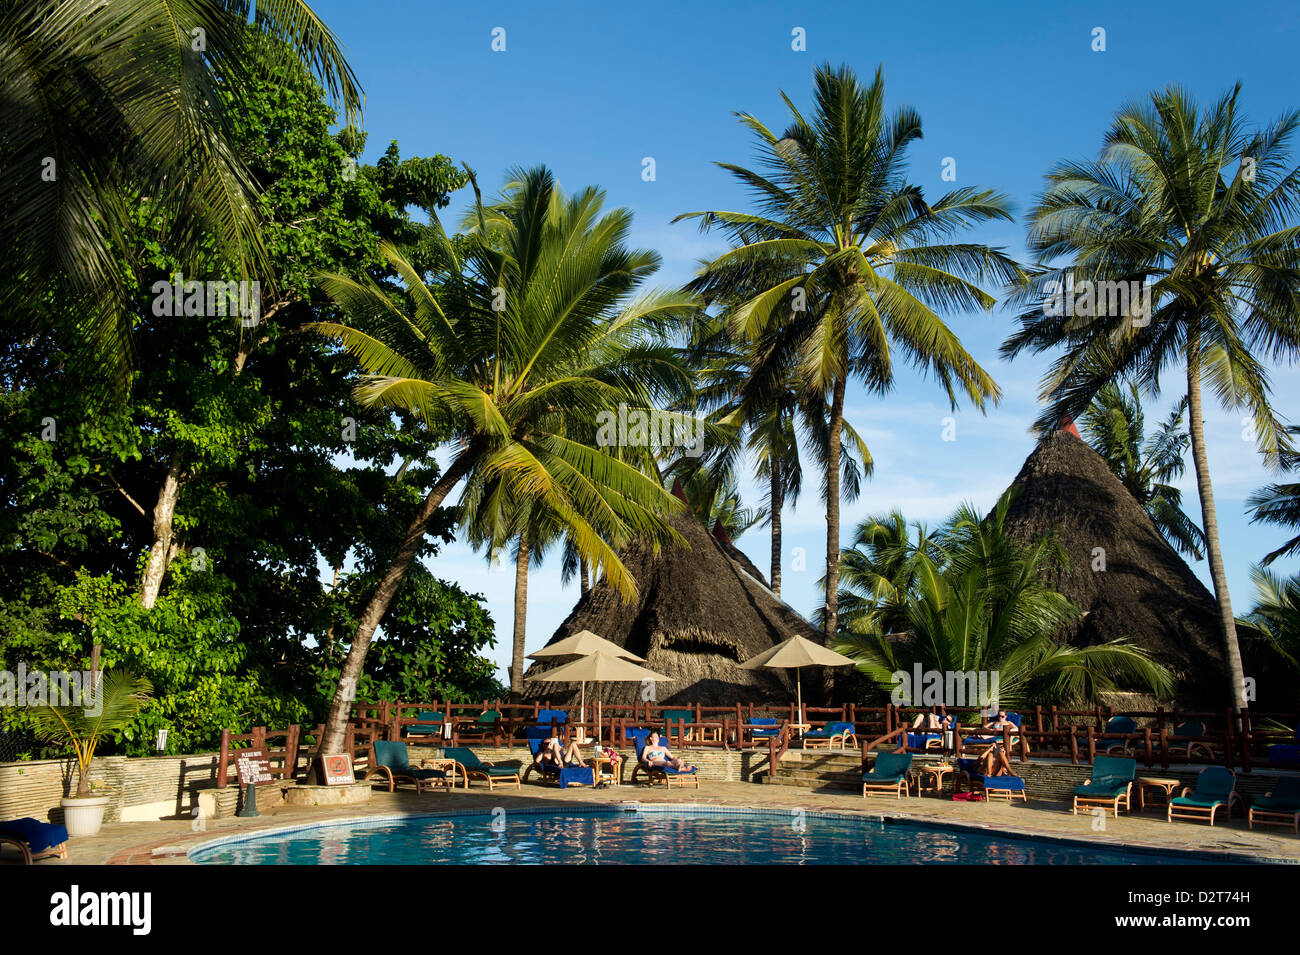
(104, 106)
(531, 336)
(869, 259)
(1201, 208)
(1115, 426)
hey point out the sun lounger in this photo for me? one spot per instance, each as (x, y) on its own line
(428, 733)
(389, 761)
(35, 839)
(1281, 807)
(471, 767)
(1181, 745)
(563, 776)
(1216, 788)
(831, 735)
(994, 787)
(487, 724)
(1285, 754)
(762, 727)
(670, 777)
(1117, 726)
(991, 736)
(887, 776)
(1110, 785)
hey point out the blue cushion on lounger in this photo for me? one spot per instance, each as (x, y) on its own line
(1009, 783)
(38, 835)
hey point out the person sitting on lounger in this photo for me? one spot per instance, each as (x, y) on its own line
(994, 762)
(657, 754)
(1000, 722)
(553, 753)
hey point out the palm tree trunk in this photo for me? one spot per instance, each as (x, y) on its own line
(346, 692)
(832, 605)
(1210, 524)
(521, 616)
(776, 500)
(584, 584)
(160, 552)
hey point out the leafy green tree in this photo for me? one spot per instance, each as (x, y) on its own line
(106, 102)
(1199, 207)
(869, 261)
(1114, 426)
(879, 573)
(540, 323)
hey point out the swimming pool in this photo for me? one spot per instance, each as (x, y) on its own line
(674, 835)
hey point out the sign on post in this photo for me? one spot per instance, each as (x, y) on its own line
(253, 767)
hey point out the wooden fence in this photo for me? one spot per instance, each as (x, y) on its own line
(1078, 735)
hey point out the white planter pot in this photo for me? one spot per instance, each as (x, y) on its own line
(83, 817)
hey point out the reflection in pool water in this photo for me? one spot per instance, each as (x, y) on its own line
(677, 836)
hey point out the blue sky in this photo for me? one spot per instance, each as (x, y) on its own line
(1004, 89)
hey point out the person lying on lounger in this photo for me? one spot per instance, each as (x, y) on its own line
(553, 753)
(931, 720)
(657, 754)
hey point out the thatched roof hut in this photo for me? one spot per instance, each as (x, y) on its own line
(1147, 593)
(698, 614)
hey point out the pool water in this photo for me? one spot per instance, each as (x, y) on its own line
(622, 837)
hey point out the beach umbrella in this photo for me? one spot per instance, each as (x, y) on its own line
(797, 653)
(581, 644)
(600, 667)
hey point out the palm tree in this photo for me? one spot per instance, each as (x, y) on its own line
(1280, 504)
(105, 106)
(878, 573)
(976, 603)
(541, 325)
(867, 257)
(1115, 428)
(1275, 620)
(1200, 209)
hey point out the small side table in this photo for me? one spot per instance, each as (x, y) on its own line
(607, 770)
(936, 774)
(1165, 784)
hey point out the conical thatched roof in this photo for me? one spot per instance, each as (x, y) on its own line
(1147, 593)
(698, 614)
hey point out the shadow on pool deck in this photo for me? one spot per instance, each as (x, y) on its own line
(143, 843)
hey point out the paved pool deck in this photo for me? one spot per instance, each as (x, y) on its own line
(166, 842)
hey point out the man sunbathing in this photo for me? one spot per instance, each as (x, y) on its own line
(931, 720)
(657, 754)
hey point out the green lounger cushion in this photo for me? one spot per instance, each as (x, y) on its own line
(1277, 804)
(1108, 786)
(1205, 802)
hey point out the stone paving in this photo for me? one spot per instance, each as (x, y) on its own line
(143, 843)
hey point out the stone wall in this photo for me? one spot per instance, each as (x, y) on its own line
(140, 789)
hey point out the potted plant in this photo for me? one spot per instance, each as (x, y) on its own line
(117, 700)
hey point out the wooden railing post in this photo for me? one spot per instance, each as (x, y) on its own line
(1227, 739)
(1245, 740)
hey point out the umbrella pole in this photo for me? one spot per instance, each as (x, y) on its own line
(582, 711)
(798, 694)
